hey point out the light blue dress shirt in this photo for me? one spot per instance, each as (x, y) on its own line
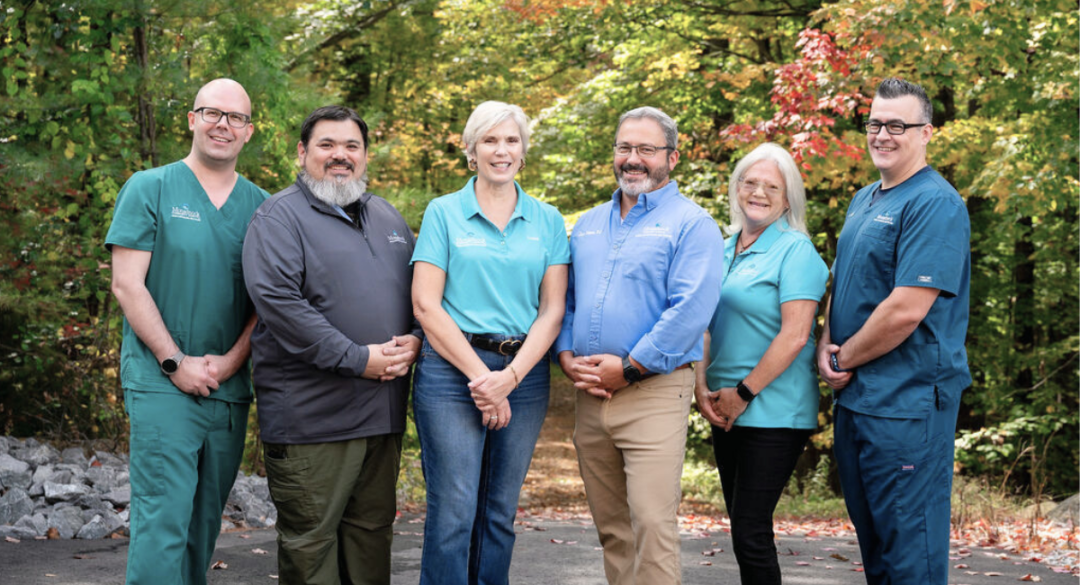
(644, 286)
(492, 277)
(781, 266)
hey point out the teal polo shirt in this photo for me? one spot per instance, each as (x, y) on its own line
(195, 275)
(916, 234)
(781, 266)
(492, 277)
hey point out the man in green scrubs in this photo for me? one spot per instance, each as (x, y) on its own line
(176, 239)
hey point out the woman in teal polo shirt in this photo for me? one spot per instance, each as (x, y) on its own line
(489, 289)
(757, 384)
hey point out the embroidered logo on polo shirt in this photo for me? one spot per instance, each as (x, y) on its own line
(470, 240)
(926, 279)
(884, 218)
(655, 231)
(394, 238)
(185, 212)
(584, 233)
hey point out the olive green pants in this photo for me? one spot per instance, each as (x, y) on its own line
(336, 505)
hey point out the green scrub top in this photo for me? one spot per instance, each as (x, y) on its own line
(195, 274)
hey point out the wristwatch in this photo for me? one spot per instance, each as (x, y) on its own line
(630, 372)
(744, 392)
(170, 364)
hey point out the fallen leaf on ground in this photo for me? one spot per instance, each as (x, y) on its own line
(258, 551)
(12, 539)
(802, 563)
(82, 557)
(1030, 577)
(219, 566)
(960, 566)
(53, 533)
(245, 536)
(839, 557)
(706, 563)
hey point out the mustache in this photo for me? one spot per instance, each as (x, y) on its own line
(625, 167)
(339, 161)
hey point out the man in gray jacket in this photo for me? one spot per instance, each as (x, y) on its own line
(327, 267)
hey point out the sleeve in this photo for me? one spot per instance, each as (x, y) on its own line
(565, 339)
(559, 243)
(135, 218)
(273, 272)
(693, 282)
(934, 244)
(432, 246)
(803, 274)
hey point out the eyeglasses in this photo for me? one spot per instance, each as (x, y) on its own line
(643, 150)
(894, 128)
(751, 187)
(213, 116)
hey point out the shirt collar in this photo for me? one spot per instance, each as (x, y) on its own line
(471, 207)
(767, 237)
(652, 199)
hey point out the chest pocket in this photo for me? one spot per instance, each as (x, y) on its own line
(877, 244)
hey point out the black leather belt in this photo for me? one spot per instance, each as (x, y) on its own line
(501, 346)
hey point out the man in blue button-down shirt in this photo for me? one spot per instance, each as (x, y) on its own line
(645, 280)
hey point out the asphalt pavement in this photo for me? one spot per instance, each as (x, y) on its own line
(548, 552)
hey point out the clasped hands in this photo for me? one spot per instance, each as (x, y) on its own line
(721, 407)
(392, 359)
(201, 375)
(489, 392)
(600, 375)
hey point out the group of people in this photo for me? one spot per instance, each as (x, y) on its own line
(646, 308)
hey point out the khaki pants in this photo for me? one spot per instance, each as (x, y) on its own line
(630, 450)
(336, 505)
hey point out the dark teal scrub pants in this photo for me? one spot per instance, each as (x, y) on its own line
(185, 453)
(896, 475)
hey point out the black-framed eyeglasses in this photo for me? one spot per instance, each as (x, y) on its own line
(894, 128)
(643, 150)
(213, 116)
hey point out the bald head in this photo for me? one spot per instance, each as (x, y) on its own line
(222, 89)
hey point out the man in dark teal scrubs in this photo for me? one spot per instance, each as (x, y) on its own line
(176, 239)
(893, 346)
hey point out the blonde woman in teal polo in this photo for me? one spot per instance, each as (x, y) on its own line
(489, 289)
(757, 385)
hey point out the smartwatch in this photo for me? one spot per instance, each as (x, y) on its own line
(744, 392)
(170, 364)
(835, 363)
(630, 372)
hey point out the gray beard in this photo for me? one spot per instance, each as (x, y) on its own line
(333, 192)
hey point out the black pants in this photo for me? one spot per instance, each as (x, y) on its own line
(755, 465)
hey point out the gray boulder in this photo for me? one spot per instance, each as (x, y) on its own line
(108, 459)
(100, 526)
(37, 454)
(38, 523)
(20, 532)
(1067, 510)
(74, 456)
(103, 478)
(67, 520)
(120, 496)
(15, 504)
(64, 492)
(14, 473)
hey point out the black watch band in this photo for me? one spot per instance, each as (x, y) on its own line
(834, 363)
(630, 372)
(744, 392)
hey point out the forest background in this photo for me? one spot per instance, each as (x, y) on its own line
(95, 90)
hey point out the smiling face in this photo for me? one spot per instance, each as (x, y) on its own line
(898, 156)
(335, 151)
(762, 196)
(216, 144)
(637, 175)
(499, 153)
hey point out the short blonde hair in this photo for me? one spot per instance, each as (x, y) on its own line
(794, 191)
(489, 115)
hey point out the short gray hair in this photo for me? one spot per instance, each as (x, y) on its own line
(489, 115)
(794, 191)
(669, 127)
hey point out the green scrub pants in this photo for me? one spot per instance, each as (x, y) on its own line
(185, 453)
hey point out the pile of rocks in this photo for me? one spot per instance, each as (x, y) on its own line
(65, 494)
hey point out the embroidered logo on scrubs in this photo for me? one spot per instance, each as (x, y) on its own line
(470, 240)
(394, 238)
(907, 468)
(185, 212)
(884, 218)
(655, 231)
(926, 279)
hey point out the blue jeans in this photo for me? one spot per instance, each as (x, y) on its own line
(473, 475)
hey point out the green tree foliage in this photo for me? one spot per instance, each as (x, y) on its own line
(97, 90)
